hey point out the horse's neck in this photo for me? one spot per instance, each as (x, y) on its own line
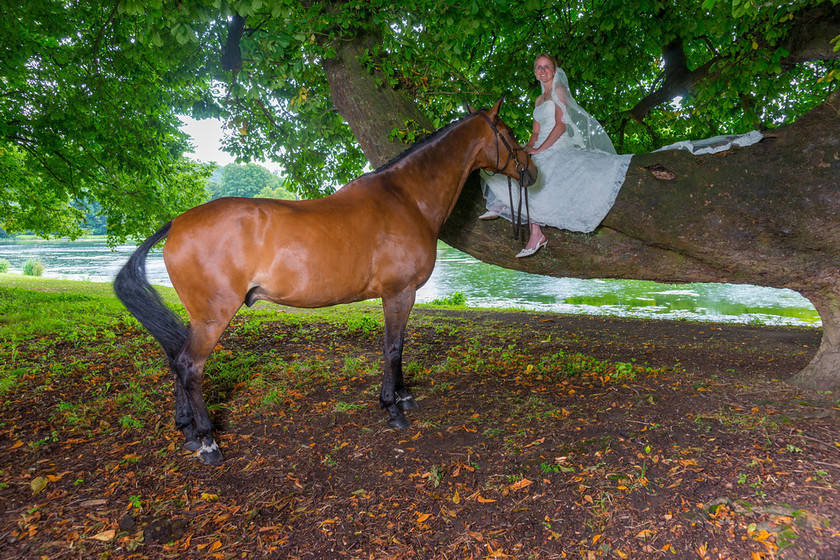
(434, 175)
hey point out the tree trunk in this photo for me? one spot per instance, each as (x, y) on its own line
(371, 107)
(823, 372)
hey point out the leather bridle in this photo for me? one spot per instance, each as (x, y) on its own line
(519, 228)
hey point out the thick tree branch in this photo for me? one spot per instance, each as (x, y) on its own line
(719, 220)
(809, 40)
(811, 36)
(231, 53)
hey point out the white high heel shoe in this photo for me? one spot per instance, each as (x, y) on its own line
(489, 215)
(528, 252)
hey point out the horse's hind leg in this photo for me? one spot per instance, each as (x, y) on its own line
(190, 370)
(184, 416)
(394, 396)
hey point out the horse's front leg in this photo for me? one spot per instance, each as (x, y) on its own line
(394, 396)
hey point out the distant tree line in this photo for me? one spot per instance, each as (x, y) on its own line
(248, 180)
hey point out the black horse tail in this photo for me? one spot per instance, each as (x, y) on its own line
(134, 290)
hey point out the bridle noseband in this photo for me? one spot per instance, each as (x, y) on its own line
(522, 169)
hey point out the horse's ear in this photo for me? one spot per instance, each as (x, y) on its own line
(471, 110)
(493, 113)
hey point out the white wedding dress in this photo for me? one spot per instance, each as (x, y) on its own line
(575, 188)
(579, 176)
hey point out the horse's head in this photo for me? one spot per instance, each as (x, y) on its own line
(501, 153)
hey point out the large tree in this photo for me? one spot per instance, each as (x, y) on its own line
(653, 74)
(377, 73)
(326, 87)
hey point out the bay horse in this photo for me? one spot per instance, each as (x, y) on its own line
(374, 237)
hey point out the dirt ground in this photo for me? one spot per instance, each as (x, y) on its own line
(538, 436)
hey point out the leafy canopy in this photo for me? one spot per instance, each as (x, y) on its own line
(90, 91)
(446, 54)
(89, 97)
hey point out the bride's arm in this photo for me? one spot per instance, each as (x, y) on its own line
(535, 133)
(556, 132)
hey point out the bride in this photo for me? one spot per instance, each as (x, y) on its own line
(579, 172)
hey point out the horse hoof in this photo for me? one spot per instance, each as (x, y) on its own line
(210, 454)
(192, 445)
(398, 422)
(408, 403)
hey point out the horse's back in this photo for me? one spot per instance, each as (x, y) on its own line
(301, 253)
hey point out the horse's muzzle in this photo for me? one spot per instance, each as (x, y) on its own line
(528, 176)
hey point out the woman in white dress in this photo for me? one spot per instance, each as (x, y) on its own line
(579, 171)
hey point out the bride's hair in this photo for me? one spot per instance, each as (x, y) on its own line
(549, 57)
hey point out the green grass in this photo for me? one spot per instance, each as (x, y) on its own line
(477, 355)
(458, 299)
(59, 313)
(359, 367)
(37, 315)
(342, 406)
(363, 324)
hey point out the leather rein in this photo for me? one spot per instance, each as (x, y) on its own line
(519, 228)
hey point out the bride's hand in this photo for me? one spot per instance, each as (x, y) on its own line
(531, 150)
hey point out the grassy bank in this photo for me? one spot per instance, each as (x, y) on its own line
(34, 306)
(32, 238)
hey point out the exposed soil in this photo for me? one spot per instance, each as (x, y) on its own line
(688, 444)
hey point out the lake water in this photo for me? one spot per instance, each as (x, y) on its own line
(486, 286)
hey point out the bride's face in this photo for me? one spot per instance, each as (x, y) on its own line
(544, 70)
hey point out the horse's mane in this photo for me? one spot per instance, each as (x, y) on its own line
(424, 142)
